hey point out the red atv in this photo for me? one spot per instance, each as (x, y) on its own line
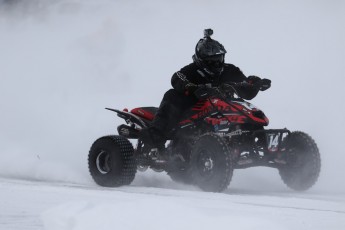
(222, 132)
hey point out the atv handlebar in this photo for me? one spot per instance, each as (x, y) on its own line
(229, 88)
(224, 90)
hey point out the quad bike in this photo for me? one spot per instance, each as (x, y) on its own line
(222, 132)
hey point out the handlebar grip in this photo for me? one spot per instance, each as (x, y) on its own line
(244, 84)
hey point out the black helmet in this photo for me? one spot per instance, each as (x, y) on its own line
(209, 54)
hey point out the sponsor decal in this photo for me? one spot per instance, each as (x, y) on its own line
(236, 118)
(181, 76)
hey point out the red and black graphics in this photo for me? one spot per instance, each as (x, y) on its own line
(253, 113)
(215, 112)
(147, 113)
(219, 112)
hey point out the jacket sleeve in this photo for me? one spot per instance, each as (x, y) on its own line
(181, 78)
(246, 92)
(179, 81)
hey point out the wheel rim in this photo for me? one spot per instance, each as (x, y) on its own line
(103, 162)
(205, 164)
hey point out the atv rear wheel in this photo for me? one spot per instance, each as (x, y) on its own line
(211, 163)
(303, 162)
(112, 162)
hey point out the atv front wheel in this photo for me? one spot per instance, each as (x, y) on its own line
(211, 163)
(112, 162)
(303, 162)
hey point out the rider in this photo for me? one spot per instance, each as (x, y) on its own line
(208, 67)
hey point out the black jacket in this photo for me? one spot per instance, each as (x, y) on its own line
(192, 74)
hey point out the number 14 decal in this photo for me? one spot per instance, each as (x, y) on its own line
(273, 142)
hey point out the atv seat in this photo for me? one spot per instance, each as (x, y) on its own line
(147, 113)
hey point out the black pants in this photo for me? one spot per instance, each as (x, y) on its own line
(171, 110)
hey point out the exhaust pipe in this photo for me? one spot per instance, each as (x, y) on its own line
(128, 132)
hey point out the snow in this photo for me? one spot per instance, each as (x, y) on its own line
(63, 61)
(68, 206)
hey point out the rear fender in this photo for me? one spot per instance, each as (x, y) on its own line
(129, 117)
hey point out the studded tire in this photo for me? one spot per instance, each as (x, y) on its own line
(111, 161)
(211, 163)
(303, 162)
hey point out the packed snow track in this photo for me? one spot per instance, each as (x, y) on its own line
(52, 205)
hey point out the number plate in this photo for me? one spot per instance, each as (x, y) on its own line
(273, 141)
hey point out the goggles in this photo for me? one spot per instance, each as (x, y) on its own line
(214, 61)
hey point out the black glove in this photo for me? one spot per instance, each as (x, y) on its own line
(258, 83)
(254, 80)
(265, 84)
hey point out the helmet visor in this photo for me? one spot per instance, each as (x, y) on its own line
(215, 61)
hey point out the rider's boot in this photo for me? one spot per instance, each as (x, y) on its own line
(166, 118)
(155, 140)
